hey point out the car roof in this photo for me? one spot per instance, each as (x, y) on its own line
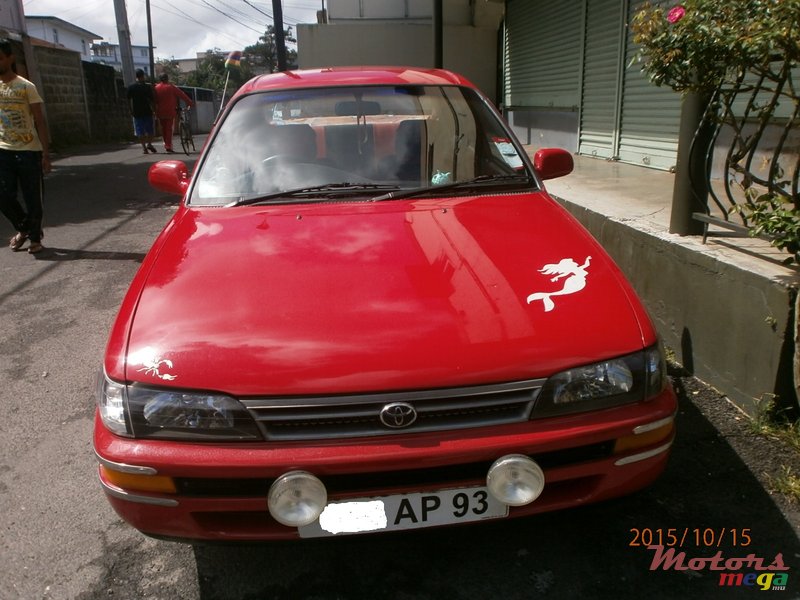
(350, 76)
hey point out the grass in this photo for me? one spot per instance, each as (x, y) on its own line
(769, 422)
(787, 483)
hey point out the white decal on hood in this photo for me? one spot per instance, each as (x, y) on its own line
(152, 363)
(576, 280)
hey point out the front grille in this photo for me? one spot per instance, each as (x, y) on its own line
(329, 417)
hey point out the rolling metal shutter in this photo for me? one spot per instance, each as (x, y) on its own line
(601, 90)
(575, 56)
(543, 54)
(651, 115)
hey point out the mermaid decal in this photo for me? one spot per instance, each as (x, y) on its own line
(576, 280)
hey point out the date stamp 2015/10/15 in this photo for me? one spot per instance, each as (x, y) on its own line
(669, 547)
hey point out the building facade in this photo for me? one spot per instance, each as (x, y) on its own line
(571, 80)
(109, 54)
(400, 32)
(62, 33)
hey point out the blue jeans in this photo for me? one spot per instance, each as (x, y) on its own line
(22, 171)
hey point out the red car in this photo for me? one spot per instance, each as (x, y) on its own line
(368, 315)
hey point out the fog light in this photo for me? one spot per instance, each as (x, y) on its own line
(296, 499)
(515, 480)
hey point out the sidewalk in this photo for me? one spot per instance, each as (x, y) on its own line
(727, 308)
(642, 198)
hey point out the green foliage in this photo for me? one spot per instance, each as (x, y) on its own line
(261, 57)
(787, 483)
(264, 53)
(170, 67)
(773, 217)
(710, 47)
(211, 73)
(694, 45)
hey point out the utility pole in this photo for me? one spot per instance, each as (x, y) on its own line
(280, 41)
(150, 43)
(438, 53)
(125, 51)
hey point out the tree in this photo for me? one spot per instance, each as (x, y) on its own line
(264, 54)
(211, 72)
(171, 68)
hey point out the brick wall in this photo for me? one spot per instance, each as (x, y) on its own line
(85, 102)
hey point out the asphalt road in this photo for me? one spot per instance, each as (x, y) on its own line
(62, 540)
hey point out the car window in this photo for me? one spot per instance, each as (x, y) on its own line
(403, 137)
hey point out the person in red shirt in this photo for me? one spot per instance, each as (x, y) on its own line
(167, 97)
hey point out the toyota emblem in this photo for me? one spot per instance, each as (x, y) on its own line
(398, 415)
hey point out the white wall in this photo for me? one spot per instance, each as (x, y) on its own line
(454, 12)
(43, 29)
(470, 51)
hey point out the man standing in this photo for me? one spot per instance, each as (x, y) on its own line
(142, 102)
(24, 157)
(167, 97)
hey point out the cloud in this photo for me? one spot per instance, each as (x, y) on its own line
(180, 28)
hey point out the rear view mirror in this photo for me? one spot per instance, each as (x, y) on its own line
(170, 176)
(352, 108)
(553, 162)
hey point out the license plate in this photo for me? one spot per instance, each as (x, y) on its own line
(405, 511)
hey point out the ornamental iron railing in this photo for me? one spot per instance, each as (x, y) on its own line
(754, 121)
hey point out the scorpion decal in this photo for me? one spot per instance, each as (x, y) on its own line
(153, 366)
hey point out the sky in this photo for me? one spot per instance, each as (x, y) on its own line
(181, 28)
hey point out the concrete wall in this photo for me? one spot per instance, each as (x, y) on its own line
(84, 102)
(470, 51)
(732, 327)
(64, 95)
(109, 115)
(12, 15)
(486, 13)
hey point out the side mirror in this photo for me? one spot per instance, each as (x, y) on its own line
(553, 162)
(170, 176)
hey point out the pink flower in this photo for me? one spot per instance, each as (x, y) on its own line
(676, 14)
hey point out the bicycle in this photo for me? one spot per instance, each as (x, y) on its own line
(185, 131)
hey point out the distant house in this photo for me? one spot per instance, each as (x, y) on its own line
(109, 54)
(62, 33)
(187, 65)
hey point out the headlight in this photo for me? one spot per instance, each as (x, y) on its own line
(631, 378)
(111, 403)
(139, 411)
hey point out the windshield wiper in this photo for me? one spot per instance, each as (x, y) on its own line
(327, 190)
(469, 183)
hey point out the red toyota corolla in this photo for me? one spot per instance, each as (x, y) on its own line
(368, 315)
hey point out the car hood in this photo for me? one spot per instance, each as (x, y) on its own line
(359, 297)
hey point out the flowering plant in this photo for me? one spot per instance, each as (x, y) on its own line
(737, 53)
(693, 45)
(676, 14)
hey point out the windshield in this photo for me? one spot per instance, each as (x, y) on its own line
(356, 138)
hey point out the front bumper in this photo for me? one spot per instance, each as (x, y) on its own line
(220, 490)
